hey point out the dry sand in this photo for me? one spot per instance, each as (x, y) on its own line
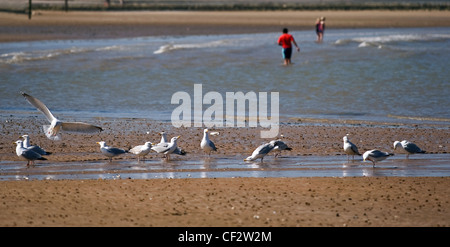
(362, 201)
(46, 25)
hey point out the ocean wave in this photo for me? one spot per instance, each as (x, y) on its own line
(380, 41)
(25, 56)
(212, 44)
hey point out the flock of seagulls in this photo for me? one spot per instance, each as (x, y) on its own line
(33, 152)
(376, 155)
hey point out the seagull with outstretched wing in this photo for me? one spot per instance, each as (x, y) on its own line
(56, 125)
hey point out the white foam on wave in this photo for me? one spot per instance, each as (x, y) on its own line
(173, 47)
(378, 41)
(23, 56)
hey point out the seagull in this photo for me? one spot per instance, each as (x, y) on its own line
(51, 131)
(261, 151)
(409, 147)
(207, 145)
(141, 150)
(110, 152)
(375, 155)
(27, 154)
(350, 148)
(279, 146)
(166, 148)
(177, 150)
(35, 148)
(163, 137)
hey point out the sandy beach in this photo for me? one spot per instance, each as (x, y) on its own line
(46, 25)
(351, 201)
(228, 202)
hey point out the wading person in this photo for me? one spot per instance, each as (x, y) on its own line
(285, 41)
(320, 28)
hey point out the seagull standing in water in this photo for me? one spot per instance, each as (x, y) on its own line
(207, 145)
(375, 155)
(261, 151)
(279, 146)
(52, 130)
(350, 148)
(177, 150)
(166, 148)
(27, 154)
(110, 152)
(141, 150)
(35, 148)
(409, 147)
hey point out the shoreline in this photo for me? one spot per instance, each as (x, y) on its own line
(59, 25)
(305, 137)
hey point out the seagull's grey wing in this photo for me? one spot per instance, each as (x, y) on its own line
(136, 149)
(354, 148)
(80, 127)
(282, 146)
(211, 144)
(379, 154)
(38, 150)
(179, 151)
(263, 149)
(412, 148)
(161, 147)
(31, 155)
(116, 151)
(39, 105)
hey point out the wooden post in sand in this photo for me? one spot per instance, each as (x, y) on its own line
(29, 9)
(66, 5)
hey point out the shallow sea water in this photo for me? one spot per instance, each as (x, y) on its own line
(423, 165)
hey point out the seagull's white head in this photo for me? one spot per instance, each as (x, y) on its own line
(396, 144)
(102, 143)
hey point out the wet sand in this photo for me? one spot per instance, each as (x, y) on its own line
(350, 201)
(367, 201)
(305, 137)
(46, 25)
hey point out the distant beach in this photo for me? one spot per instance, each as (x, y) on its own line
(47, 25)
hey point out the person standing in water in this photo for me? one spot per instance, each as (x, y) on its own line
(320, 29)
(285, 41)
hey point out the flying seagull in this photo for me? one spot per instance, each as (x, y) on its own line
(52, 130)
